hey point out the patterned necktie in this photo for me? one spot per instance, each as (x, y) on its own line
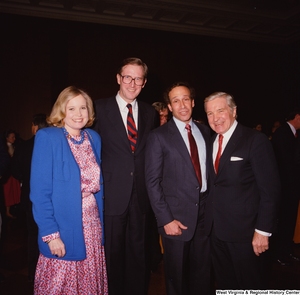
(217, 161)
(131, 128)
(194, 153)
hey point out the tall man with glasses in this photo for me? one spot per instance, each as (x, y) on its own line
(124, 123)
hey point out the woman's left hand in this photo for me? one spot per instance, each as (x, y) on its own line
(57, 247)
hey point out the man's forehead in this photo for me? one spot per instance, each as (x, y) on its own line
(133, 68)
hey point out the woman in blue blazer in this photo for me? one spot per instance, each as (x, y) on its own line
(67, 196)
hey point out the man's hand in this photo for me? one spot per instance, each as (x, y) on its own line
(174, 228)
(260, 243)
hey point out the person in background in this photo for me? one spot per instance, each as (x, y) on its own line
(177, 190)
(124, 123)
(4, 162)
(258, 127)
(242, 205)
(285, 142)
(11, 186)
(275, 125)
(66, 190)
(21, 170)
(163, 111)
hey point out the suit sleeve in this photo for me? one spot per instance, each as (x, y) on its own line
(265, 169)
(154, 177)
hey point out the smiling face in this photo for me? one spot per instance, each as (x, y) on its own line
(220, 116)
(129, 92)
(181, 104)
(77, 115)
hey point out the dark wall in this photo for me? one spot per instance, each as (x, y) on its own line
(40, 57)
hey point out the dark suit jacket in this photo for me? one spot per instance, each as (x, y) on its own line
(171, 180)
(244, 195)
(286, 148)
(121, 168)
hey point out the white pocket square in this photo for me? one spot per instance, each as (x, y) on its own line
(236, 159)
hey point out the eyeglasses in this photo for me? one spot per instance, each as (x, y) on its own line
(137, 80)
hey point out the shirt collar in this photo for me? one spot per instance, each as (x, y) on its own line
(123, 104)
(229, 132)
(292, 128)
(181, 125)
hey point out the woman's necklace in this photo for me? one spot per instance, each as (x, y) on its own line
(80, 141)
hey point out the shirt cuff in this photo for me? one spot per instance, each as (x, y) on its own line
(263, 233)
(49, 238)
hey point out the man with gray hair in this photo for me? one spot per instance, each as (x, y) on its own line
(244, 188)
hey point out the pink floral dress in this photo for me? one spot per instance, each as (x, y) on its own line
(86, 277)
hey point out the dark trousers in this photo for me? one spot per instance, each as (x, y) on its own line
(187, 263)
(237, 267)
(286, 226)
(126, 249)
(155, 248)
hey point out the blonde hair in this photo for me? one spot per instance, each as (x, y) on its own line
(58, 112)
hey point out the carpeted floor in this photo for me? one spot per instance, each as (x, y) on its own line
(13, 265)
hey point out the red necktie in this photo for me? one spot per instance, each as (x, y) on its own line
(217, 161)
(194, 153)
(131, 128)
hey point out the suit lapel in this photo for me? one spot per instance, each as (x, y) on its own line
(177, 141)
(142, 122)
(115, 121)
(230, 147)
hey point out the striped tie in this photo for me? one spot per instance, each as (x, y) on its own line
(131, 128)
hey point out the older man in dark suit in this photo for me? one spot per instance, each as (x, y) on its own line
(124, 123)
(243, 199)
(176, 182)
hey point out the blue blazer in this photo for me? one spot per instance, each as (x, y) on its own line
(56, 191)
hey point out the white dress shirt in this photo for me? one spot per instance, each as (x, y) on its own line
(226, 137)
(200, 146)
(124, 110)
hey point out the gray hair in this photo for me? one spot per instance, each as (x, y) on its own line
(229, 99)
